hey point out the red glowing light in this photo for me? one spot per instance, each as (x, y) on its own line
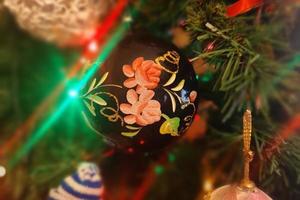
(142, 142)
(108, 153)
(130, 150)
(197, 117)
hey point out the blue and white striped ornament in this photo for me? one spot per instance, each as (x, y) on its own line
(84, 184)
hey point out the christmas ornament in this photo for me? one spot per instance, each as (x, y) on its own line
(247, 189)
(62, 22)
(235, 192)
(143, 97)
(85, 183)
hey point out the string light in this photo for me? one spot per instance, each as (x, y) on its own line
(2, 171)
(93, 46)
(142, 142)
(41, 131)
(127, 18)
(207, 185)
(159, 169)
(102, 31)
(73, 93)
(83, 60)
(130, 150)
(171, 157)
(197, 117)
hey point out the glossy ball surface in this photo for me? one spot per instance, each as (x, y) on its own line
(143, 97)
(234, 192)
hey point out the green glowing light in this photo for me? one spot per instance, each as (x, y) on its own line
(295, 61)
(206, 77)
(40, 132)
(36, 136)
(171, 157)
(159, 169)
(73, 93)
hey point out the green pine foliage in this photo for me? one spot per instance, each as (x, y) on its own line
(253, 67)
(241, 54)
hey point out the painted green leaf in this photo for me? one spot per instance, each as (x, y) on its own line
(179, 86)
(102, 79)
(130, 134)
(172, 100)
(132, 127)
(98, 100)
(171, 80)
(91, 109)
(170, 126)
(92, 85)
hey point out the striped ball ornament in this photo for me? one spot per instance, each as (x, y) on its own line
(84, 184)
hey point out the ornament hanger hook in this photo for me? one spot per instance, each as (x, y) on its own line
(248, 154)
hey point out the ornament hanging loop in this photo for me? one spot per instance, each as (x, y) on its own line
(248, 154)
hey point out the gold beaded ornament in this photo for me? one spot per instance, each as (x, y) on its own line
(246, 190)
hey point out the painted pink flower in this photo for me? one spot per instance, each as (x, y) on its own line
(193, 96)
(141, 109)
(142, 73)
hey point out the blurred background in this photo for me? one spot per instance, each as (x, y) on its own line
(46, 45)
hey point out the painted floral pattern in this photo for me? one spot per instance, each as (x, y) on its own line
(142, 73)
(170, 126)
(141, 109)
(193, 96)
(145, 76)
